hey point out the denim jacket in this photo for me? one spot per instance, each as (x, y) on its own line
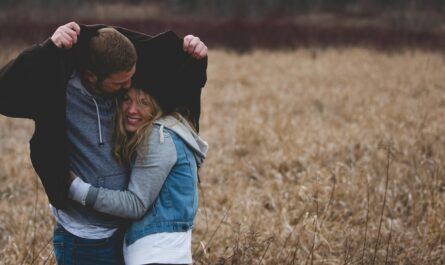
(175, 207)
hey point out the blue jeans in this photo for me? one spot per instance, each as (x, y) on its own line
(72, 250)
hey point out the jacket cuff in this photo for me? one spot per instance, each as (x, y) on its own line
(91, 197)
(78, 190)
(48, 44)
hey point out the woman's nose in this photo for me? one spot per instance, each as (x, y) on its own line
(133, 108)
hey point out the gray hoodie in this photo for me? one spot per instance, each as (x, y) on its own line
(90, 124)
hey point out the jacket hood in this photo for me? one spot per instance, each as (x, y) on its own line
(186, 133)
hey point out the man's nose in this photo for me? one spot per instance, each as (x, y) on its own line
(127, 85)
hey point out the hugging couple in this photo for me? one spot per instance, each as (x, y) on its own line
(116, 141)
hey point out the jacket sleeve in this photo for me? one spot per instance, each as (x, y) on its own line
(171, 75)
(152, 166)
(21, 78)
(194, 75)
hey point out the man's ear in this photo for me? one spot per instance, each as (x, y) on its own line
(90, 77)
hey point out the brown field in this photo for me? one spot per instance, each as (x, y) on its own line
(331, 156)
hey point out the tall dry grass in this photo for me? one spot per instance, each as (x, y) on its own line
(329, 156)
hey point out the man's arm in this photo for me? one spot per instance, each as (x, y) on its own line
(193, 76)
(22, 79)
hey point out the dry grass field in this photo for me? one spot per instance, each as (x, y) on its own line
(332, 156)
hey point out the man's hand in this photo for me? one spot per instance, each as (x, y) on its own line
(195, 47)
(71, 176)
(66, 35)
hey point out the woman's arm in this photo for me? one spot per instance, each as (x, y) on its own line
(152, 166)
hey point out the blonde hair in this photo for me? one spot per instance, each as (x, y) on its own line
(125, 143)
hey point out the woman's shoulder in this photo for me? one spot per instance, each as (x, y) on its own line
(161, 134)
(157, 149)
(158, 138)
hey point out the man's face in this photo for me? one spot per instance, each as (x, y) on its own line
(116, 82)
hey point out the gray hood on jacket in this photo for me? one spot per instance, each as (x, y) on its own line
(187, 134)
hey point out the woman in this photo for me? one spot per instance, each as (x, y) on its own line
(165, 152)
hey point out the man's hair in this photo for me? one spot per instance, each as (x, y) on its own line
(110, 52)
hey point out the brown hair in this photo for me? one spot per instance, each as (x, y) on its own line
(110, 52)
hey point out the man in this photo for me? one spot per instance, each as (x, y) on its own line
(67, 86)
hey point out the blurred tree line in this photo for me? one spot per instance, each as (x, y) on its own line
(270, 23)
(261, 8)
(255, 8)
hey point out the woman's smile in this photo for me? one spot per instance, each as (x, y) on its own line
(136, 109)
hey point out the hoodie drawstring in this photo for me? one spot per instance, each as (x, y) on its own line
(161, 133)
(101, 142)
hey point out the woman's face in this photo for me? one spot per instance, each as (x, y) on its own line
(136, 109)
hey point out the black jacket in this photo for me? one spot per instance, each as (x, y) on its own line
(34, 86)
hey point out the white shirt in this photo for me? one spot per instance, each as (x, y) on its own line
(78, 229)
(175, 247)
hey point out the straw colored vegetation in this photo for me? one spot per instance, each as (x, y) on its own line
(317, 157)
